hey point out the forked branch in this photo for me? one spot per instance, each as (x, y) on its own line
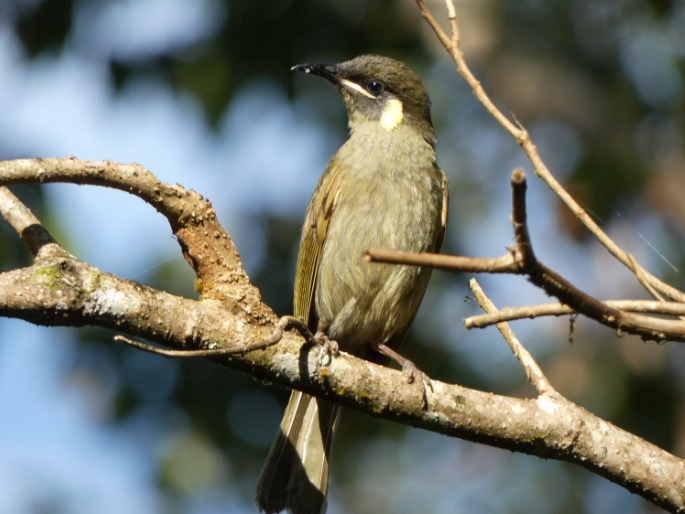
(521, 260)
(520, 134)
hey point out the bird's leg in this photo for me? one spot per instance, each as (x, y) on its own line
(329, 347)
(408, 368)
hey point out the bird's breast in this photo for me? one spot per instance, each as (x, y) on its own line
(392, 203)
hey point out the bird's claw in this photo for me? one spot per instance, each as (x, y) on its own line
(329, 347)
(413, 372)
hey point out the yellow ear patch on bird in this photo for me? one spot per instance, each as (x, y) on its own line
(356, 87)
(392, 114)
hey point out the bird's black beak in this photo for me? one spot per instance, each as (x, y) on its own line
(327, 71)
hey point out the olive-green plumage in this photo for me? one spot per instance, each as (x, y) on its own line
(382, 189)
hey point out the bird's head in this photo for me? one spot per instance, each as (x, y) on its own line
(379, 90)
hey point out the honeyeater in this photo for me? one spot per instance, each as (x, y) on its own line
(382, 189)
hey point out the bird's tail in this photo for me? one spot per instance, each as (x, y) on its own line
(295, 474)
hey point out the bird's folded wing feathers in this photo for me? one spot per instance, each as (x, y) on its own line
(321, 208)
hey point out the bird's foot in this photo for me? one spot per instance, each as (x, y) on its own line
(410, 370)
(329, 347)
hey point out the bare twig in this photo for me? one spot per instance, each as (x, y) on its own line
(533, 371)
(504, 264)
(520, 134)
(452, 46)
(215, 350)
(559, 309)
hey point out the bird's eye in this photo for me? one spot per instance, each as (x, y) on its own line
(375, 87)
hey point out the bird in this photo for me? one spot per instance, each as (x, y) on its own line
(381, 189)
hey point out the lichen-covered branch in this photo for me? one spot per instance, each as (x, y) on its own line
(192, 218)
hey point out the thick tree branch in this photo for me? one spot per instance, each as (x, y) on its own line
(215, 259)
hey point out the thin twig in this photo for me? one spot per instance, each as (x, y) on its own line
(533, 371)
(559, 309)
(192, 354)
(635, 267)
(452, 46)
(504, 264)
(283, 324)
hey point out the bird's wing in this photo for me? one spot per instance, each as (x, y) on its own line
(321, 208)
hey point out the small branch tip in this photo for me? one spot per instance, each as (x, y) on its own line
(518, 176)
